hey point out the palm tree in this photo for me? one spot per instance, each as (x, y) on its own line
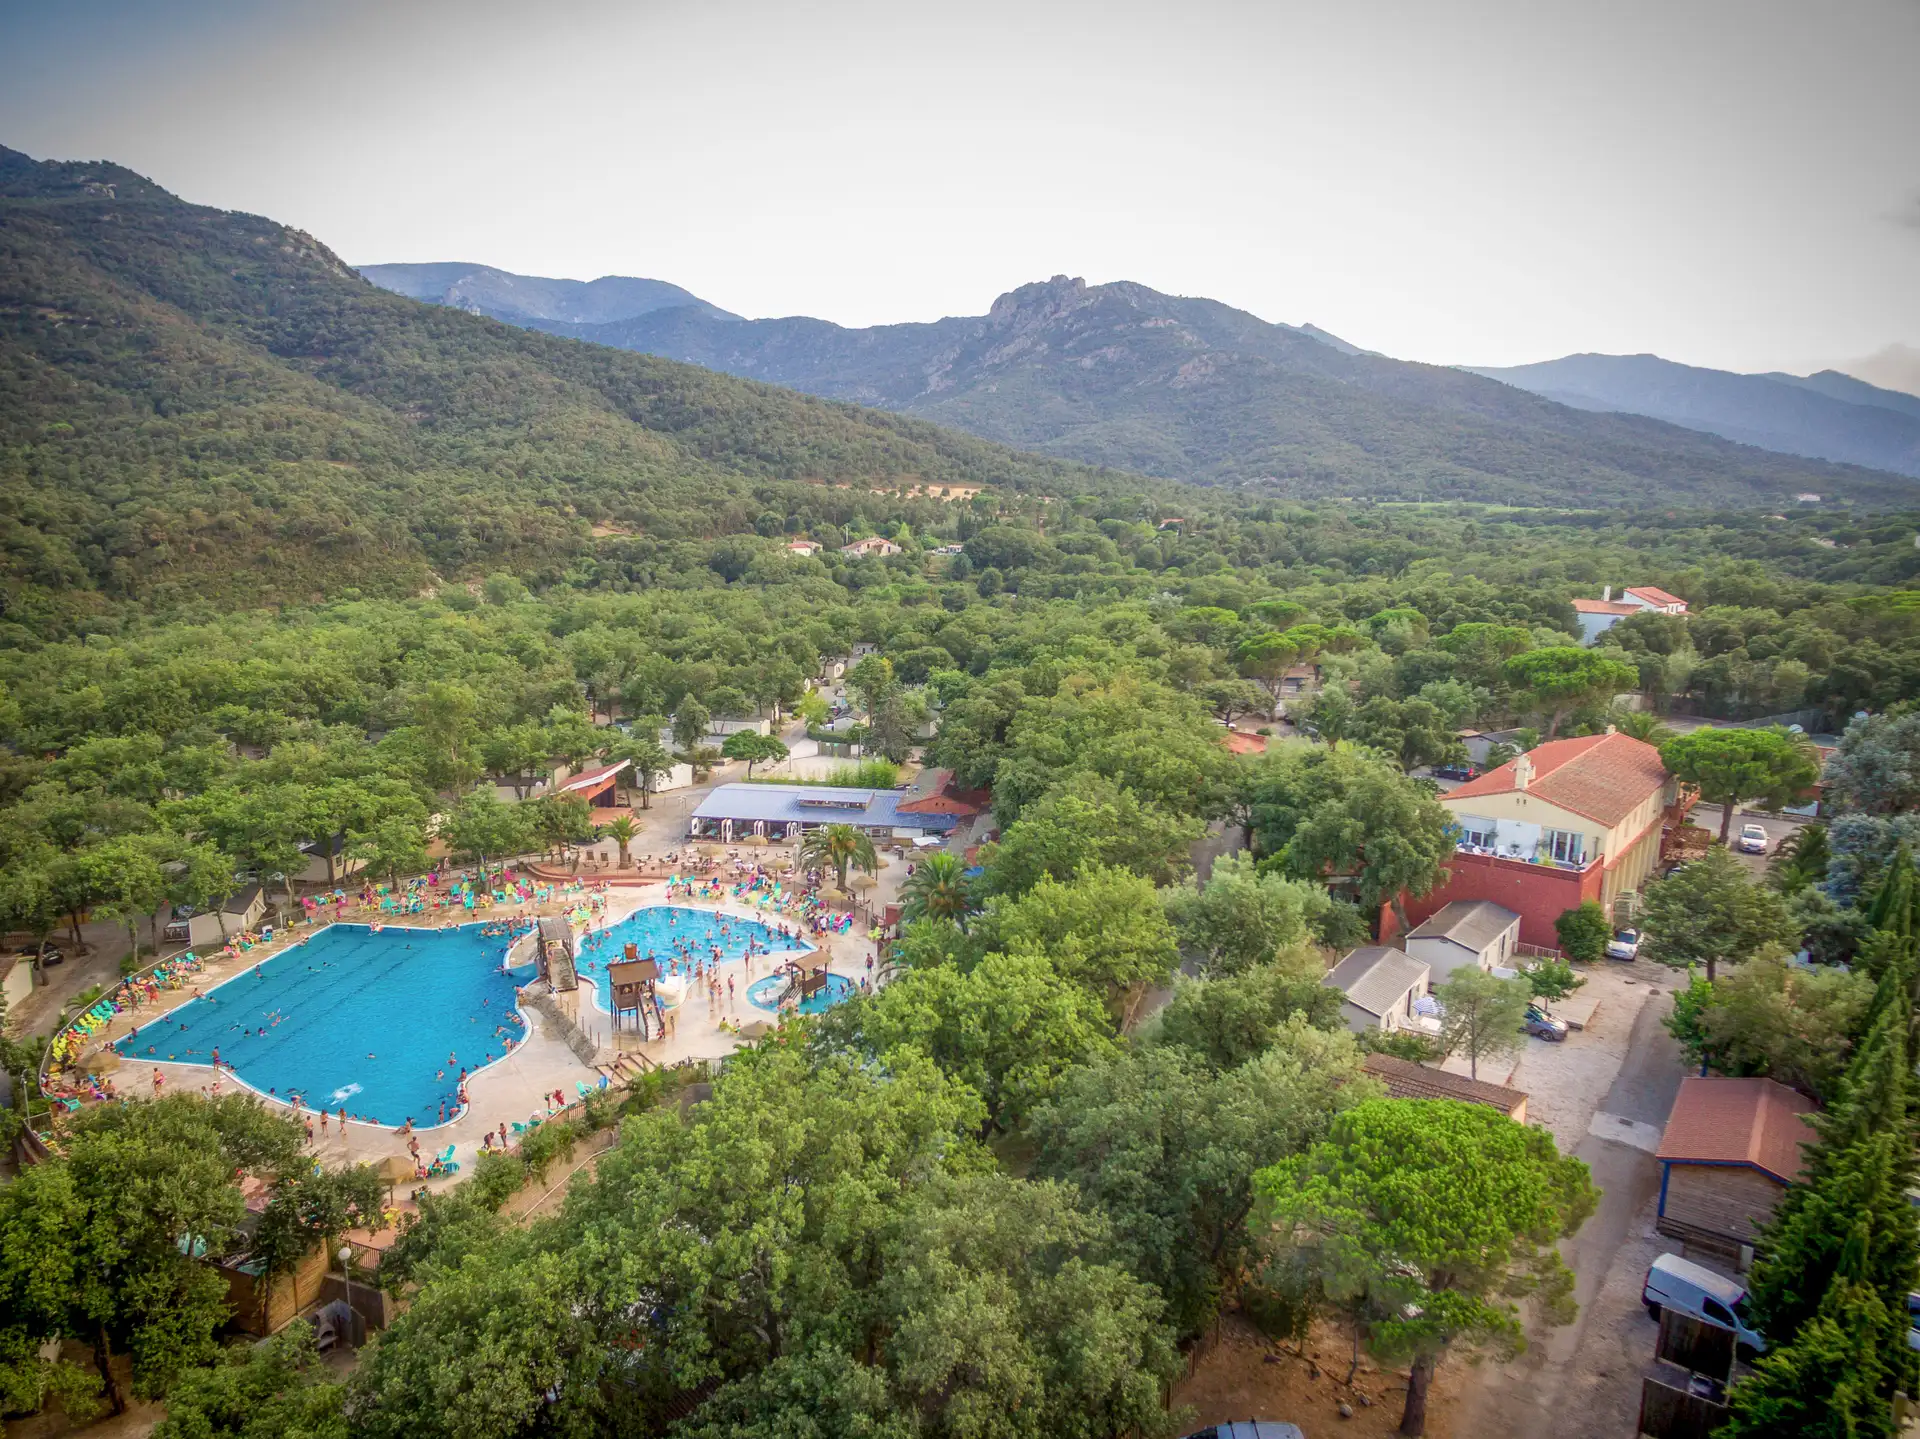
(620, 831)
(938, 889)
(838, 846)
(1641, 725)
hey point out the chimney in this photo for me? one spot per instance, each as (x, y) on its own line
(1606, 594)
(1522, 772)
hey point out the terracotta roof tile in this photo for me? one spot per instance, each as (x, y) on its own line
(1604, 607)
(1653, 595)
(1407, 1080)
(1739, 1121)
(1601, 776)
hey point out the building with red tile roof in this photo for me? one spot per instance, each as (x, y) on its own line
(1596, 617)
(1652, 597)
(1571, 820)
(1731, 1148)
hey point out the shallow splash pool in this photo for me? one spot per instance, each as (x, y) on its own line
(765, 993)
(378, 1022)
(657, 929)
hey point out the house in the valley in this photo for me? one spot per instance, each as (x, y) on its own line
(1596, 617)
(871, 545)
(806, 549)
(1569, 821)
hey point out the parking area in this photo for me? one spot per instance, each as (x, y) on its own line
(1707, 816)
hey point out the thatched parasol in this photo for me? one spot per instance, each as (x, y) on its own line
(755, 1029)
(395, 1169)
(864, 882)
(830, 895)
(755, 839)
(101, 1061)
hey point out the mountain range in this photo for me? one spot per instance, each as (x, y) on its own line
(525, 299)
(1827, 416)
(206, 406)
(1124, 376)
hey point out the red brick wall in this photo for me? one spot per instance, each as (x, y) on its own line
(1538, 893)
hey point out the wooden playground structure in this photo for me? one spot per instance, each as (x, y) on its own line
(632, 984)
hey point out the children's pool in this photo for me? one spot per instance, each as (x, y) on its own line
(677, 937)
(765, 993)
(378, 1023)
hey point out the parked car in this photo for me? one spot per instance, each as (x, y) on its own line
(1249, 1429)
(1625, 944)
(1689, 1288)
(47, 958)
(1913, 1320)
(1542, 1025)
(1453, 771)
(1753, 839)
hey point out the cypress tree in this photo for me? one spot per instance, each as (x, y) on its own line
(1860, 1199)
(1892, 908)
(1831, 1381)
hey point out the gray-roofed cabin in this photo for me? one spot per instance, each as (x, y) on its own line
(1380, 984)
(1468, 931)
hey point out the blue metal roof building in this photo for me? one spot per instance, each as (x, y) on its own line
(792, 808)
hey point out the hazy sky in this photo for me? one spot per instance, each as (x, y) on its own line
(1733, 183)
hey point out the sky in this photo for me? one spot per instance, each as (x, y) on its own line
(1733, 183)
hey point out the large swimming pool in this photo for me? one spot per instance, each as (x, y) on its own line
(380, 1023)
(675, 937)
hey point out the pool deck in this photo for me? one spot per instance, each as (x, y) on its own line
(519, 1086)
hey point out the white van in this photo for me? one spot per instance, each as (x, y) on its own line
(1689, 1288)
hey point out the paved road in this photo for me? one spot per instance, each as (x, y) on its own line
(1585, 1378)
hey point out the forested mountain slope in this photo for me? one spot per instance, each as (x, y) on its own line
(200, 402)
(1189, 388)
(1826, 416)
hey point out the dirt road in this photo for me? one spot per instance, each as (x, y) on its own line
(1592, 1368)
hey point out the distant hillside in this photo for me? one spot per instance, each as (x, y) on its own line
(1828, 416)
(519, 299)
(1125, 376)
(201, 405)
(1896, 367)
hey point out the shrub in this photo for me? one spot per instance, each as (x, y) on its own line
(540, 1147)
(1584, 932)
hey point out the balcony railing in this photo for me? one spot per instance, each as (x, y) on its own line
(1535, 861)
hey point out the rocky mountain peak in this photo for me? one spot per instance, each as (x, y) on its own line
(1038, 303)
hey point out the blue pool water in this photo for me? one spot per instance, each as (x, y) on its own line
(658, 928)
(764, 993)
(353, 1018)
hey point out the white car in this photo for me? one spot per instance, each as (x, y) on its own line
(1625, 944)
(1753, 839)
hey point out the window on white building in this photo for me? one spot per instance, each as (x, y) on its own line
(1569, 846)
(1476, 831)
